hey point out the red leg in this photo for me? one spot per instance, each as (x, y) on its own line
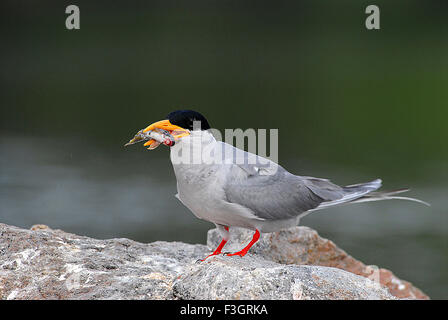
(218, 250)
(243, 252)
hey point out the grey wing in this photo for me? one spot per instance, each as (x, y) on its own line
(272, 197)
(272, 193)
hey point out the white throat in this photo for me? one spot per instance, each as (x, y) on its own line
(193, 149)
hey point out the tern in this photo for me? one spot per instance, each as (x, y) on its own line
(234, 188)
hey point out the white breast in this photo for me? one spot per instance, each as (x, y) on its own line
(200, 185)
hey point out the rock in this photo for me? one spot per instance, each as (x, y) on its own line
(303, 246)
(256, 278)
(51, 264)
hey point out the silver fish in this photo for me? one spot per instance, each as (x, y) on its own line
(159, 135)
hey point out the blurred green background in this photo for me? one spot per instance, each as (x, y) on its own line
(350, 105)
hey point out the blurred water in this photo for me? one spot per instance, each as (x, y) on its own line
(350, 104)
(107, 193)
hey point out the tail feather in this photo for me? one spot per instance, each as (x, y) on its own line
(364, 192)
(387, 195)
(352, 193)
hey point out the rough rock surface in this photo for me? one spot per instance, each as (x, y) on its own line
(228, 278)
(42, 263)
(303, 246)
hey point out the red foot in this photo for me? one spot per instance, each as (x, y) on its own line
(243, 252)
(218, 250)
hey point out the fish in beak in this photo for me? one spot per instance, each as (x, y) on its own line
(160, 132)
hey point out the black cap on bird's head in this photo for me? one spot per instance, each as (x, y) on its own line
(188, 119)
(178, 123)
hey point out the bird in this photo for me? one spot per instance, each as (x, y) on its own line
(225, 188)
